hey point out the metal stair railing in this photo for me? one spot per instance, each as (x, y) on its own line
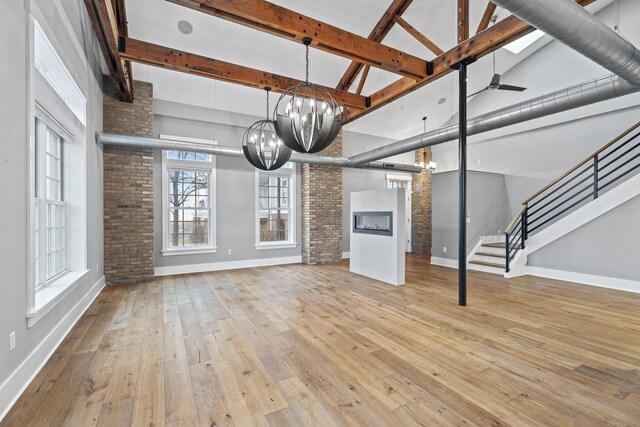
(583, 183)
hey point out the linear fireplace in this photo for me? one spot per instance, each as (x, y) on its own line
(378, 222)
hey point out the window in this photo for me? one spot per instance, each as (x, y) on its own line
(57, 180)
(188, 201)
(398, 183)
(50, 207)
(275, 213)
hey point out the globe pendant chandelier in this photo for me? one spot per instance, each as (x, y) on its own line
(307, 117)
(261, 145)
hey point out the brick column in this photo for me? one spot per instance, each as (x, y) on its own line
(128, 189)
(322, 210)
(421, 206)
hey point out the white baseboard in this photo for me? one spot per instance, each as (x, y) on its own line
(444, 262)
(585, 279)
(14, 386)
(346, 255)
(225, 265)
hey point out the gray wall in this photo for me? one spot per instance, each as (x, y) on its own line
(14, 175)
(235, 185)
(487, 207)
(363, 179)
(235, 181)
(607, 246)
(534, 153)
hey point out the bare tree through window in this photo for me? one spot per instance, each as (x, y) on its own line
(188, 202)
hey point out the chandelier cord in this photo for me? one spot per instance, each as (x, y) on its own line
(307, 59)
(267, 104)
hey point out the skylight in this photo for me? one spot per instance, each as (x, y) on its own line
(522, 43)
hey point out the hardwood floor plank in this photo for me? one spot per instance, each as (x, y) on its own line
(304, 405)
(55, 407)
(314, 345)
(179, 402)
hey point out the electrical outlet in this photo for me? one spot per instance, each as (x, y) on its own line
(229, 252)
(444, 249)
(468, 220)
(97, 268)
(12, 341)
(479, 161)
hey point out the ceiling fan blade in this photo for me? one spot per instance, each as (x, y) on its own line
(495, 81)
(513, 88)
(475, 93)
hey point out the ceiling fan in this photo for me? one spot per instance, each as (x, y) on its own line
(495, 82)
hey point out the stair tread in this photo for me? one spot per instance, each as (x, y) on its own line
(501, 245)
(491, 254)
(487, 264)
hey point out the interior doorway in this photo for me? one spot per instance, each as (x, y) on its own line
(403, 181)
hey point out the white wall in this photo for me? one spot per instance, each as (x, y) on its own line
(363, 179)
(487, 208)
(34, 344)
(534, 153)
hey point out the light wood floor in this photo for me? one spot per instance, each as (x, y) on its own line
(318, 346)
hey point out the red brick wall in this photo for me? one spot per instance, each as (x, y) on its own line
(128, 189)
(322, 210)
(421, 206)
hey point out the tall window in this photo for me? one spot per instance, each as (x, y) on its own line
(50, 206)
(57, 180)
(276, 208)
(188, 219)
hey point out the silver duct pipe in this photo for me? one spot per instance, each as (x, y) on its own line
(114, 139)
(600, 89)
(568, 22)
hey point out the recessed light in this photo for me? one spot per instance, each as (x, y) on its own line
(442, 101)
(185, 27)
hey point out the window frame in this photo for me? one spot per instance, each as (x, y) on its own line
(292, 241)
(41, 203)
(191, 166)
(45, 103)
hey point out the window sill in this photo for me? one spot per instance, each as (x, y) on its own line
(281, 245)
(176, 252)
(47, 297)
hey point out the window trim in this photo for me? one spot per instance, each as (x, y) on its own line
(46, 105)
(293, 225)
(191, 165)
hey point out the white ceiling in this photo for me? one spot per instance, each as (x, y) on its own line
(156, 21)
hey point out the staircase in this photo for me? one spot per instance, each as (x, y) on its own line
(598, 184)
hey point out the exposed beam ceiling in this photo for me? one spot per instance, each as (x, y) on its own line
(363, 78)
(378, 33)
(282, 22)
(486, 17)
(161, 56)
(419, 36)
(463, 20)
(108, 23)
(483, 43)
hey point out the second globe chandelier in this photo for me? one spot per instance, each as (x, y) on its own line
(307, 118)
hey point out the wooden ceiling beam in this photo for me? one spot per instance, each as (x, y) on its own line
(378, 33)
(463, 20)
(486, 17)
(483, 43)
(419, 36)
(363, 79)
(173, 59)
(282, 22)
(108, 23)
